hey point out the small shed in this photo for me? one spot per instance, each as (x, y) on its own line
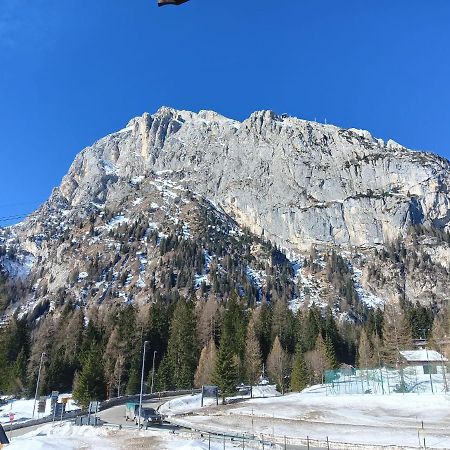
(429, 359)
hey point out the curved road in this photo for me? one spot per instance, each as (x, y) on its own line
(116, 416)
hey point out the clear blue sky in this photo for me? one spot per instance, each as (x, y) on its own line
(72, 71)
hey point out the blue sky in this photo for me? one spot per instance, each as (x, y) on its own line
(72, 71)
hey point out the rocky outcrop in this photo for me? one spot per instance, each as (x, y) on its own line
(296, 182)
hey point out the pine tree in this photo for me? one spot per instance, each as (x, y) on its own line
(90, 382)
(134, 382)
(396, 335)
(318, 360)
(312, 327)
(158, 325)
(206, 364)
(252, 357)
(163, 379)
(365, 354)
(182, 346)
(208, 320)
(283, 325)
(299, 374)
(278, 364)
(262, 318)
(225, 374)
(234, 324)
(440, 332)
(331, 355)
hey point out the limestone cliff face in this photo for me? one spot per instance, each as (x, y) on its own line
(296, 182)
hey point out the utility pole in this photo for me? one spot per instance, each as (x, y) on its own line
(142, 385)
(153, 371)
(37, 383)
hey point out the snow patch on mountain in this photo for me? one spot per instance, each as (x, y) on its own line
(366, 297)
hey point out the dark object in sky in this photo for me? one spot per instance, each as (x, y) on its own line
(3, 437)
(171, 2)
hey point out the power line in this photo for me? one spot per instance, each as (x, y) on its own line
(23, 215)
(17, 216)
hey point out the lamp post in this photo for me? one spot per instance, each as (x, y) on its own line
(142, 384)
(153, 371)
(37, 383)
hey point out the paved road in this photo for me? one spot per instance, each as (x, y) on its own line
(116, 414)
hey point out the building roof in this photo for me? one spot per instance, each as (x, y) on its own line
(423, 355)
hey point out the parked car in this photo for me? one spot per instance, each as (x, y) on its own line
(149, 416)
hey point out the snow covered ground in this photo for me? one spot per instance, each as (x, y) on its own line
(23, 409)
(190, 403)
(65, 437)
(71, 437)
(394, 419)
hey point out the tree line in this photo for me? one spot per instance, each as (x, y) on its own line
(200, 342)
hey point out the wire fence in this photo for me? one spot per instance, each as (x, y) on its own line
(383, 380)
(267, 441)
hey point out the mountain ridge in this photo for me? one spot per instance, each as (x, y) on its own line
(307, 188)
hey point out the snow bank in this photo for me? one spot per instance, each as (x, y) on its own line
(190, 403)
(23, 409)
(65, 437)
(184, 405)
(268, 390)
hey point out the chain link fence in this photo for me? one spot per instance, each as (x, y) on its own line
(384, 380)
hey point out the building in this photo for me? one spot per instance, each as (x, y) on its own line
(430, 360)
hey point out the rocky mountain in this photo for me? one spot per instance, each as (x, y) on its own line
(272, 206)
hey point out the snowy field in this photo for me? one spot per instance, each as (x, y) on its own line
(23, 409)
(190, 403)
(366, 419)
(70, 437)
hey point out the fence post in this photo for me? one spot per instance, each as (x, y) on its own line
(328, 444)
(224, 441)
(209, 441)
(285, 443)
(424, 444)
(243, 441)
(307, 442)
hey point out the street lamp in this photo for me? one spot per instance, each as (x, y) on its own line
(37, 383)
(153, 371)
(142, 384)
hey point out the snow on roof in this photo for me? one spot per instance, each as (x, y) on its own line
(422, 355)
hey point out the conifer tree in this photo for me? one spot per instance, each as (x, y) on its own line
(396, 335)
(440, 332)
(365, 355)
(163, 379)
(299, 374)
(206, 364)
(262, 318)
(331, 355)
(318, 359)
(133, 383)
(158, 329)
(225, 374)
(182, 346)
(252, 357)
(278, 364)
(90, 382)
(234, 324)
(283, 324)
(312, 327)
(207, 320)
